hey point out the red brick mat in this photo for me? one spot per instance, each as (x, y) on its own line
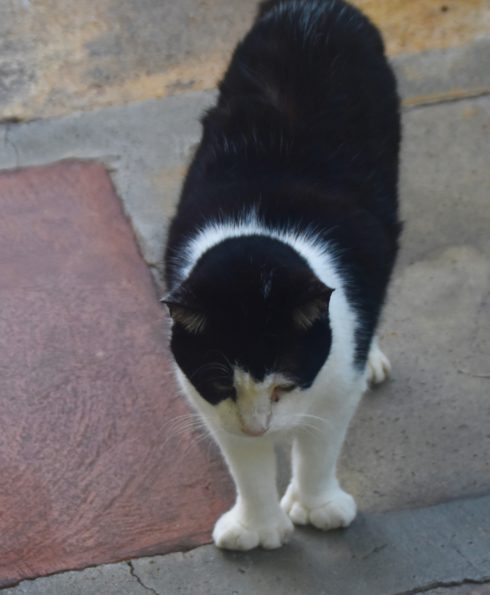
(95, 463)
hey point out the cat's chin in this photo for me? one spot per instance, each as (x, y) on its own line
(239, 432)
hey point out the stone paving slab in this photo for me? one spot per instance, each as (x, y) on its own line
(61, 56)
(396, 553)
(96, 464)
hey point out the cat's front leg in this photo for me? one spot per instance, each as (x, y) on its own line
(314, 495)
(256, 519)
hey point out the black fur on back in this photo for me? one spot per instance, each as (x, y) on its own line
(305, 131)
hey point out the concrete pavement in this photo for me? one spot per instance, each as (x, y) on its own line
(423, 438)
(416, 443)
(440, 550)
(436, 327)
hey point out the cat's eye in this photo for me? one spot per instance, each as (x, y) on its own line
(286, 388)
(280, 390)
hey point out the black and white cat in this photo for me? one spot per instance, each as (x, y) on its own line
(279, 257)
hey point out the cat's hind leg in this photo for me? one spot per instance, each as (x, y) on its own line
(378, 365)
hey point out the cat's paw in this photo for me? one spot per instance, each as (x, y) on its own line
(233, 531)
(378, 365)
(337, 510)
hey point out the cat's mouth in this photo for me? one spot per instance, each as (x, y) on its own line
(254, 433)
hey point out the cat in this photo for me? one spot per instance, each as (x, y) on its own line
(279, 256)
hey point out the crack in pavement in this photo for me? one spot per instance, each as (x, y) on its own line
(445, 585)
(375, 550)
(132, 571)
(411, 104)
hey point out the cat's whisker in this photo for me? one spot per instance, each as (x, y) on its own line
(203, 437)
(182, 425)
(183, 419)
(188, 424)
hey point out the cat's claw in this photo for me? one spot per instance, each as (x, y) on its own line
(378, 365)
(233, 531)
(336, 511)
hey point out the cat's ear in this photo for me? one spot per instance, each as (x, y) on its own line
(313, 306)
(185, 312)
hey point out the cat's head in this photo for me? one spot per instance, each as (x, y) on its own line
(250, 333)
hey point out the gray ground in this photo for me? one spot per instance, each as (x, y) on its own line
(397, 553)
(422, 439)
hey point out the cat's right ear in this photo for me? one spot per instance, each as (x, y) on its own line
(185, 313)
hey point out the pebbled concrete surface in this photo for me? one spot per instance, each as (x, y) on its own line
(394, 553)
(427, 433)
(60, 56)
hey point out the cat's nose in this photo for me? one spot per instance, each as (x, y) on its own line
(255, 425)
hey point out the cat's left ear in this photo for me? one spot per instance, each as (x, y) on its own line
(185, 312)
(314, 305)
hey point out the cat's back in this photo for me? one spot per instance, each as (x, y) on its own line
(318, 64)
(309, 89)
(305, 129)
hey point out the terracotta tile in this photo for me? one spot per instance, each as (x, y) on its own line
(93, 466)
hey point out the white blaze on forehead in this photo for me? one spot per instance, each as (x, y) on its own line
(245, 382)
(249, 388)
